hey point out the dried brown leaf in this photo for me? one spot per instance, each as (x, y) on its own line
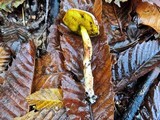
(149, 15)
(18, 83)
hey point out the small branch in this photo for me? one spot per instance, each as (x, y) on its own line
(134, 106)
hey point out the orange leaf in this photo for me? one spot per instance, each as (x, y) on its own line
(149, 15)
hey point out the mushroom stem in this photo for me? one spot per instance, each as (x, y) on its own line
(87, 71)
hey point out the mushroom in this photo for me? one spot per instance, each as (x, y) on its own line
(85, 24)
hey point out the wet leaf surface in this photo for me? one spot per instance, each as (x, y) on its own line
(115, 20)
(45, 114)
(150, 107)
(72, 47)
(135, 62)
(18, 83)
(74, 99)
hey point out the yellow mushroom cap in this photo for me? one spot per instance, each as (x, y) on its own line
(74, 18)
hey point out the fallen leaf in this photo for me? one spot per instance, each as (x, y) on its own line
(8, 5)
(73, 92)
(46, 98)
(149, 15)
(18, 83)
(150, 107)
(44, 114)
(74, 99)
(5, 57)
(116, 19)
(135, 62)
(49, 67)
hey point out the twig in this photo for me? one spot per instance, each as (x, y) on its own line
(137, 101)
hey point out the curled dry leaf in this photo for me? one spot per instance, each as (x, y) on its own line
(5, 57)
(44, 114)
(18, 83)
(46, 98)
(149, 15)
(135, 62)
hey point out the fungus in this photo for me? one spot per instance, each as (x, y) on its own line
(84, 24)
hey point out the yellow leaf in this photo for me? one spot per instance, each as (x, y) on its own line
(149, 15)
(46, 98)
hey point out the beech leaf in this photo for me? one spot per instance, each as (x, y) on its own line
(150, 107)
(44, 114)
(46, 98)
(18, 83)
(149, 15)
(5, 57)
(135, 62)
(115, 20)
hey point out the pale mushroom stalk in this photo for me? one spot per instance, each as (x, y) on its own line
(87, 71)
(85, 24)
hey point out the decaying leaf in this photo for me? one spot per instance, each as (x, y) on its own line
(46, 98)
(115, 20)
(150, 107)
(18, 83)
(135, 62)
(5, 57)
(8, 5)
(149, 15)
(44, 114)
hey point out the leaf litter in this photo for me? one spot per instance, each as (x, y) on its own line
(58, 60)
